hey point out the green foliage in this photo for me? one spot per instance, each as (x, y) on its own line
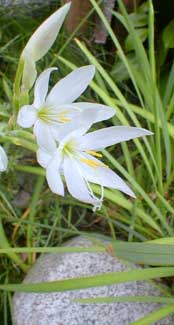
(140, 86)
(167, 36)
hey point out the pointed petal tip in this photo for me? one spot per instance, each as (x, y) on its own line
(68, 89)
(129, 192)
(45, 35)
(132, 194)
(68, 5)
(64, 9)
(147, 132)
(90, 68)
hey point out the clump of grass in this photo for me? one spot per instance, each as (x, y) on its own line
(46, 221)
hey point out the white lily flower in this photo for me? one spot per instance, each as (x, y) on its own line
(55, 114)
(76, 159)
(40, 42)
(3, 160)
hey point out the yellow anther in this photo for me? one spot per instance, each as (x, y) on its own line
(92, 163)
(64, 119)
(94, 153)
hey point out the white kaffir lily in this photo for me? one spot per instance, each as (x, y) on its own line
(3, 160)
(55, 113)
(76, 158)
(39, 44)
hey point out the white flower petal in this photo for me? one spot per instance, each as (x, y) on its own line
(103, 138)
(41, 87)
(76, 183)
(72, 86)
(72, 137)
(83, 121)
(26, 116)
(44, 136)
(104, 176)
(3, 160)
(43, 38)
(102, 112)
(53, 176)
(43, 157)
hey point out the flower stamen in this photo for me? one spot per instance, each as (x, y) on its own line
(62, 117)
(47, 115)
(43, 114)
(94, 153)
(92, 163)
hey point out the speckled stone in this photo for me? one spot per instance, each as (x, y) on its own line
(30, 7)
(58, 308)
(8, 3)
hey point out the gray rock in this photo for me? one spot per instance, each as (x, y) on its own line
(22, 199)
(58, 308)
(29, 7)
(10, 3)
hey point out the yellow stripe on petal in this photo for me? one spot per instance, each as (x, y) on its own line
(63, 118)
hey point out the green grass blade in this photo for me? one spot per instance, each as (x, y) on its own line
(153, 317)
(169, 87)
(144, 113)
(8, 204)
(12, 255)
(139, 49)
(140, 190)
(118, 46)
(110, 195)
(165, 241)
(113, 197)
(91, 282)
(145, 253)
(122, 299)
(33, 208)
(53, 250)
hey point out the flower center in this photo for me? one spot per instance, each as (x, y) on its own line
(69, 148)
(48, 115)
(43, 114)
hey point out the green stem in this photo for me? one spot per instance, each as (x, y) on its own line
(20, 97)
(154, 93)
(30, 169)
(19, 142)
(33, 210)
(18, 76)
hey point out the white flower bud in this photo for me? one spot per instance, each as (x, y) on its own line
(40, 43)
